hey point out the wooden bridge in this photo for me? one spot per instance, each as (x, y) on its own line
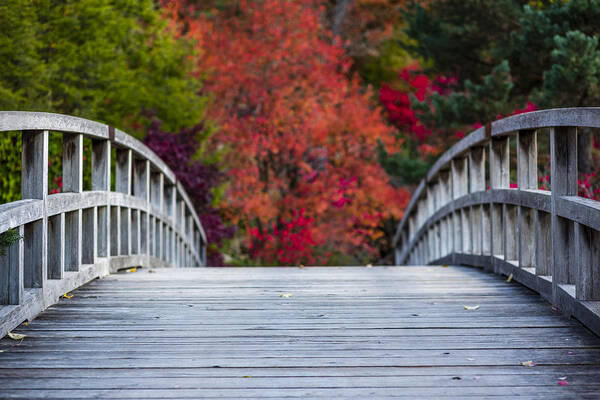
(433, 331)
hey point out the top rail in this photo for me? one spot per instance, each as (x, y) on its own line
(547, 240)
(71, 237)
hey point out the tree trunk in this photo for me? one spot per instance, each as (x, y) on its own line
(339, 13)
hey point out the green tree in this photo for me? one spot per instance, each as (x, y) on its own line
(505, 53)
(115, 61)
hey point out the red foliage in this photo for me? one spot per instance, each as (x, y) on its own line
(299, 132)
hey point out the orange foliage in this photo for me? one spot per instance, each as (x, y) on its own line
(301, 134)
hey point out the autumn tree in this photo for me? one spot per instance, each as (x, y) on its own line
(298, 131)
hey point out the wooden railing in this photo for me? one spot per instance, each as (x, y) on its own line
(547, 240)
(69, 238)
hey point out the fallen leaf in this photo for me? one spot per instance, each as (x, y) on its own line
(285, 295)
(25, 323)
(300, 266)
(15, 336)
(131, 269)
(369, 265)
(247, 376)
(472, 308)
(563, 383)
(68, 296)
(509, 279)
(528, 363)
(456, 378)
(444, 266)
(150, 271)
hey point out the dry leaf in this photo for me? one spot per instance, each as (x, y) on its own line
(150, 271)
(285, 295)
(68, 296)
(300, 266)
(528, 363)
(444, 266)
(15, 336)
(471, 308)
(247, 376)
(509, 279)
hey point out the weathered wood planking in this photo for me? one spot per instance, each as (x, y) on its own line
(546, 239)
(397, 332)
(72, 237)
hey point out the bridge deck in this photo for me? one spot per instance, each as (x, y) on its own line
(344, 332)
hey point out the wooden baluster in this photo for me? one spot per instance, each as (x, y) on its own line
(141, 188)
(526, 179)
(101, 175)
(543, 243)
(56, 246)
(123, 185)
(73, 182)
(89, 231)
(34, 185)
(587, 254)
(115, 232)
(499, 179)
(477, 184)
(11, 272)
(563, 170)
(460, 179)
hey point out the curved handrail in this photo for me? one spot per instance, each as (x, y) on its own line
(72, 237)
(547, 240)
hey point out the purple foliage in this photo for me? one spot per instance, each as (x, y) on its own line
(177, 151)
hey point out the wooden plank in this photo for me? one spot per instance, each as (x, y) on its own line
(353, 332)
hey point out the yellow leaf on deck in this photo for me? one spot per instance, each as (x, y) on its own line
(15, 336)
(528, 363)
(131, 269)
(285, 295)
(472, 308)
(444, 266)
(247, 376)
(68, 296)
(509, 278)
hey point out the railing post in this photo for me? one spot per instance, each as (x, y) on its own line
(563, 178)
(477, 184)
(526, 179)
(499, 179)
(141, 188)
(587, 254)
(73, 182)
(123, 185)
(101, 181)
(460, 187)
(34, 185)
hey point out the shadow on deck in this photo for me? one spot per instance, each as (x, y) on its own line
(309, 333)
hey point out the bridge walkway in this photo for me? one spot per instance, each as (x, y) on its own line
(380, 332)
